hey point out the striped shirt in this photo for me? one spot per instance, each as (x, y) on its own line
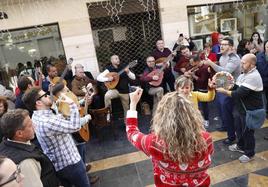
(53, 134)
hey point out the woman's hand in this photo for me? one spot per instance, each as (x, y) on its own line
(134, 98)
(211, 84)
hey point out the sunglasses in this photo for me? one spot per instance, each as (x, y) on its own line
(15, 176)
(44, 95)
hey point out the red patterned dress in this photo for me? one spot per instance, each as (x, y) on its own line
(168, 173)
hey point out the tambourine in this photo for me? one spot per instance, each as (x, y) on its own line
(224, 80)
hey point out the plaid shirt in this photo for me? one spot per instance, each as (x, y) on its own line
(53, 134)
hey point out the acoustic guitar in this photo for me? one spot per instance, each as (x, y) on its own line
(64, 108)
(160, 72)
(83, 135)
(116, 76)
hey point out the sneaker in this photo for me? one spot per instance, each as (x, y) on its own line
(245, 159)
(234, 148)
(206, 124)
(216, 118)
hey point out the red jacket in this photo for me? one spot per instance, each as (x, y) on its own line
(168, 173)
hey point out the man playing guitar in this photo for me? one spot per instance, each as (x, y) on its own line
(160, 54)
(80, 83)
(157, 92)
(121, 90)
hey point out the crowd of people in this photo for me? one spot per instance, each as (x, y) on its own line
(38, 135)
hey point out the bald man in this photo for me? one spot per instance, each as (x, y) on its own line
(121, 90)
(249, 91)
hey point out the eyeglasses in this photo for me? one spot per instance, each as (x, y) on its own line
(44, 95)
(224, 44)
(15, 176)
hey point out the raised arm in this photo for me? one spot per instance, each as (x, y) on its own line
(138, 139)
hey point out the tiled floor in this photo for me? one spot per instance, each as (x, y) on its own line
(118, 163)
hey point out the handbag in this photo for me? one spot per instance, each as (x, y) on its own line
(255, 118)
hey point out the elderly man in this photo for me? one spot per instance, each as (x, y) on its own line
(17, 129)
(229, 62)
(80, 83)
(248, 91)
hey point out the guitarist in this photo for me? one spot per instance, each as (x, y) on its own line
(121, 90)
(80, 83)
(156, 92)
(158, 54)
(183, 65)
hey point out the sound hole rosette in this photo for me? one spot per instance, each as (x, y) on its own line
(224, 80)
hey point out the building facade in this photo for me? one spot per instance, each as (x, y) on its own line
(65, 27)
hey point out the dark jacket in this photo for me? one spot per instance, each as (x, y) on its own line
(122, 85)
(262, 67)
(19, 152)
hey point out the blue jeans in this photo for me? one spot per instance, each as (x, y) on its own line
(246, 139)
(74, 175)
(225, 106)
(81, 147)
(205, 110)
(203, 106)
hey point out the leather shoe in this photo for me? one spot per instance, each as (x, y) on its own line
(221, 129)
(94, 179)
(88, 167)
(228, 142)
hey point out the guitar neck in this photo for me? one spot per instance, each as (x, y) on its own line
(122, 71)
(131, 64)
(169, 57)
(86, 108)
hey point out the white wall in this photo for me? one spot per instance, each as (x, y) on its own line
(73, 19)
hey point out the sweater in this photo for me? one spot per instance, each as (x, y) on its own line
(262, 67)
(196, 97)
(169, 173)
(248, 88)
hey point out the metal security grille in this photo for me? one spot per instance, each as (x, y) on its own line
(128, 28)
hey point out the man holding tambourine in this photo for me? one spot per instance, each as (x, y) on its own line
(229, 62)
(249, 108)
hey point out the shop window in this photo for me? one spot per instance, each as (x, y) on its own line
(24, 45)
(237, 19)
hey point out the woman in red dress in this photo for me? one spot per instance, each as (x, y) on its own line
(178, 145)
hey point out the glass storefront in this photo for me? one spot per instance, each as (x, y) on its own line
(17, 47)
(238, 19)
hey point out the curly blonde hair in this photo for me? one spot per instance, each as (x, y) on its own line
(180, 126)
